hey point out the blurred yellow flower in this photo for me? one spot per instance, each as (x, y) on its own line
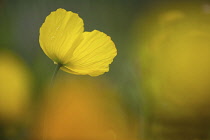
(88, 113)
(175, 65)
(15, 87)
(63, 40)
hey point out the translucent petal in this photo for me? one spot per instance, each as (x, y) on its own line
(92, 56)
(60, 34)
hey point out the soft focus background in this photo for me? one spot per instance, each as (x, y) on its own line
(158, 87)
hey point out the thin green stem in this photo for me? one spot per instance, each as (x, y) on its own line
(52, 82)
(55, 73)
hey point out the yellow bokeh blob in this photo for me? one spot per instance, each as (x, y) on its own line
(83, 109)
(15, 84)
(175, 62)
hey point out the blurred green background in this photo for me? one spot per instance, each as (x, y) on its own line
(157, 86)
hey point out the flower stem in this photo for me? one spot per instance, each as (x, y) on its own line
(55, 73)
(52, 83)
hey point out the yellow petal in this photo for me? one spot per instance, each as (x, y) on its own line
(92, 56)
(60, 34)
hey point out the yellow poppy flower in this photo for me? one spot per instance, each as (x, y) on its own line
(62, 38)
